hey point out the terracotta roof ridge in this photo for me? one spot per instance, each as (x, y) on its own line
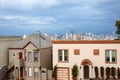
(85, 41)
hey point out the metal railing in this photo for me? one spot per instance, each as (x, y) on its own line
(3, 72)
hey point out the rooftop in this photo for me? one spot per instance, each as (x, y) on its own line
(35, 39)
(10, 37)
(86, 41)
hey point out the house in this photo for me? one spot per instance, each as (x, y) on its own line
(86, 54)
(28, 56)
(5, 42)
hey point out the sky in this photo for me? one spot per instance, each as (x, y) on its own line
(19, 17)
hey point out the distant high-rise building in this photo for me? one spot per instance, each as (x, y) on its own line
(83, 36)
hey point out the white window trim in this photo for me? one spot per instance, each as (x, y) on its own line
(36, 71)
(63, 55)
(30, 57)
(29, 71)
(36, 56)
(110, 55)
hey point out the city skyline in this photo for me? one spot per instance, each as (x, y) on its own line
(19, 17)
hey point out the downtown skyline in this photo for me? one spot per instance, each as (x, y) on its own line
(19, 17)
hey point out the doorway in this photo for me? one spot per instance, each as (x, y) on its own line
(86, 72)
(20, 55)
(86, 63)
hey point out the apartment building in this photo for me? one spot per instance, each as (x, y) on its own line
(28, 56)
(86, 54)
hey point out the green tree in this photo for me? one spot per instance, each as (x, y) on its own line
(117, 24)
(96, 72)
(118, 73)
(54, 71)
(108, 72)
(75, 72)
(113, 72)
(102, 72)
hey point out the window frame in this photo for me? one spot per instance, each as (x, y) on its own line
(36, 58)
(29, 72)
(63, 60)
(29, 60)
(36, 72)
(110, 57)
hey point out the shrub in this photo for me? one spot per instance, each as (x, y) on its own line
(102, 72)
(75, 71)
(54, 72)
(113, 72)
(107, 72)
(96, 72)
(118, 73)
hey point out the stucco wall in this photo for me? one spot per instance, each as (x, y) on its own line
(5, 43)
(86, 52)
(14, 56)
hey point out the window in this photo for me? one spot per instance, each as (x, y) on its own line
(35, 56)
(13, 54)
(76, 51)
(63, 55)
(35, 71)
(30, 56)
(110, 55)
(29, 71)
(96, 51)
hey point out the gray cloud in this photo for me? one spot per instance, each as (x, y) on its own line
(27, 4)
(59, 15)
(18, 20)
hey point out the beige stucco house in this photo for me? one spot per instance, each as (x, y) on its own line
(5, 42)
(86, 55)
(28, 56)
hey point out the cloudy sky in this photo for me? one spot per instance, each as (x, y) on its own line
(19, 17)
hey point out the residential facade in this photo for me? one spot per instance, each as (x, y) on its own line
(5, 42)
(86, 54)
(29, 56)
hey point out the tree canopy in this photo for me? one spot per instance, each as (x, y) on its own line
(118, 26)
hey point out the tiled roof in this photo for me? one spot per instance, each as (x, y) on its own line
(86, 42)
